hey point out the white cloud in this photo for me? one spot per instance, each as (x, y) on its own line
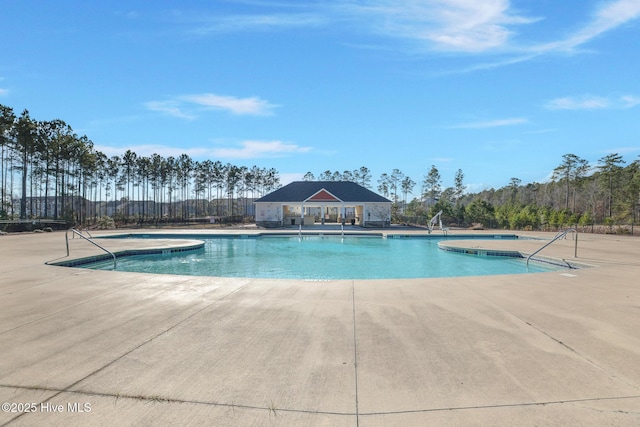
(286, 178)
(172, 108)
(609, 16)
(629, 101)
(244, 150)
(476, 187)
(237, 23)
(188, 106)
(249, 106)
(441, 159)
(495, 64)
(464, 26)
(491, 123)
(452, 25)
(4, 92)
(147, 150)
(580, 103)
(259, 149)
(590, 102)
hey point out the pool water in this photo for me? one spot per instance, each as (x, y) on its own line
(323, 258)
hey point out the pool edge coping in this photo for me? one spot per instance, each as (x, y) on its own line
(194, 245)
(509, 253)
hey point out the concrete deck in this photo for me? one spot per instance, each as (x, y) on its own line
(93, 348)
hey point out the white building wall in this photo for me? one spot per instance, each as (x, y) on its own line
(377, 212)
(268, 212)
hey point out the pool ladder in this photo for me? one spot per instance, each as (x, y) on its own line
(88, 239)
(558, 236)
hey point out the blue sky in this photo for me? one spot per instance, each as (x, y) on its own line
(496, 88)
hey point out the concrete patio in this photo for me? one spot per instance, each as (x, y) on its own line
(101, 348)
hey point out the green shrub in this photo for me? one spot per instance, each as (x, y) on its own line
(106, 223)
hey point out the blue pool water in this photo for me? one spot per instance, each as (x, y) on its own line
(322, 258)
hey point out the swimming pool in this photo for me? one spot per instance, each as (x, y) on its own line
(322, 258)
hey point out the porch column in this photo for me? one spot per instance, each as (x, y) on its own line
(281, 214)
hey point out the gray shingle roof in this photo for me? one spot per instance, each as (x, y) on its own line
(298, 191)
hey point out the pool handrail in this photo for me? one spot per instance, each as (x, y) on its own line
(79, 233)
(432, 223)
(558, 236)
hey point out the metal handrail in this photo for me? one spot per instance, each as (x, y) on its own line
(432, 223)
(78, 233)
(81, 231)
(559, 235)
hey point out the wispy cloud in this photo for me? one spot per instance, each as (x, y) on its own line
(4, 92)
(451, 25)
(243, 150)
(286, 178)
(250, 106)
(607, 17)
(448, 25)
(149, 149)
(171, 108)
(586, 102)
(189, 106)
(629, 101)
(542, 131)
(459, 26)
(621, 150)
(494, 64)
(441, 159)
(590, 102)
(476, 187)
(490, 27)
(259, 149)
(491, 123)
(267, 22)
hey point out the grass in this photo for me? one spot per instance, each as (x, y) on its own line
(272, 409)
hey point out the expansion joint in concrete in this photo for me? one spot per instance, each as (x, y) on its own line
(355, 348)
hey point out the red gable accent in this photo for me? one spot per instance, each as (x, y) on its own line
(324, 196)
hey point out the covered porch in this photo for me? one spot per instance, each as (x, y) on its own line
(311, 213)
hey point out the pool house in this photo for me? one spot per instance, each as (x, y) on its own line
(322, 202)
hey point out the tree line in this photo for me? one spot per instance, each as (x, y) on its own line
(54, 173)
(578, 194)
(58, 174)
